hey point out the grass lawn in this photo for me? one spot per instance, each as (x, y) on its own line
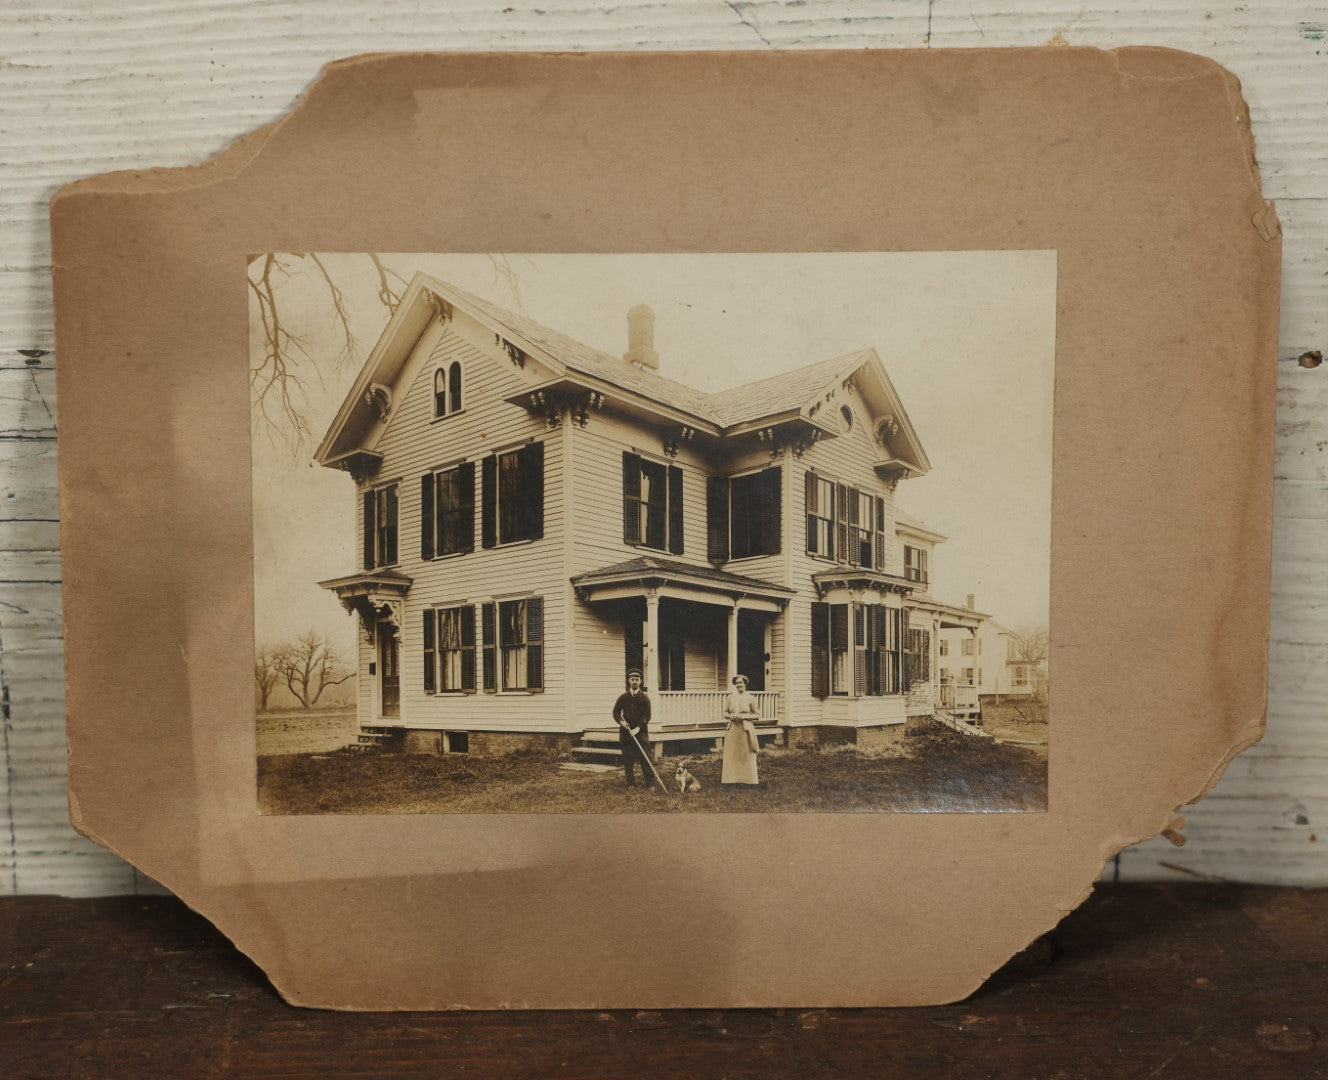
(938, 771)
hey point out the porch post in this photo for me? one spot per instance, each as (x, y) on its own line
(652, 641)
(733, 643)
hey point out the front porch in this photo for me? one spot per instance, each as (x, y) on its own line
(690, 630)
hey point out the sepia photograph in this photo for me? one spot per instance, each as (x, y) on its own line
(652, 533)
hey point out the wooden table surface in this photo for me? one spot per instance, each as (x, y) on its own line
(1142, 981)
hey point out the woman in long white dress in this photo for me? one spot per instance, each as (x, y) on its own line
(740, 710)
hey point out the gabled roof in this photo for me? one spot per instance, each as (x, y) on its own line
(908, 523)
(793, 394)
(579, 357)
(780, 393)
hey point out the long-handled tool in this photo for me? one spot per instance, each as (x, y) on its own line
(644, 757)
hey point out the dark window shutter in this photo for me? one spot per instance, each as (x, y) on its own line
(428, 482)
(532, 489)
(454, 387)
(390, 546)
(675, 510)
(820, 650)
(809, 500)
(854, 510)
(468, 648)
(467, 512)
(841, 523)
(488, 648)
(880, 533)
(488, 512)
(430, 661)
(772, 517)
(631, 468)
(370, 527)
(839, 626)
(717, 518)
(924, 654)
(535, 643)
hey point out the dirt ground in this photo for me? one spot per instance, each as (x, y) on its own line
(300, 731)
(936, 771)
(1017, 723)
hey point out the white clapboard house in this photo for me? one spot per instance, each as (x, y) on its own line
(537, 516)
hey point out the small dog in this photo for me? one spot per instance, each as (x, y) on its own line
(686, 781)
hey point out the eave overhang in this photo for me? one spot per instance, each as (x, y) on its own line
(857, 577)
(952, 616)
(678, 583)
(372, 595)
(577, 395)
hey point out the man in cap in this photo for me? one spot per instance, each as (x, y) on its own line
(631, 712)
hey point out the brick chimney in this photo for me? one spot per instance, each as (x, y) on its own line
(970, 602)
(641, 338)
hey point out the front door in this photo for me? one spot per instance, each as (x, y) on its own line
(751, 648)
(389, 675)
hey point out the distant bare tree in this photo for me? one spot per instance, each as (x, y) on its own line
(1031, 644)
(266, 673)
(310, 665)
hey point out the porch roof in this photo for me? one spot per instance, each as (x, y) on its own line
(853, 577)
(647, 571)
(952, 616)
(367, 581)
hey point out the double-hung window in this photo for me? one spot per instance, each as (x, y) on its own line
(447, 511)
(513, 644)
(513, 502)
(857, 650)
(820, 494)
(380, 527)
(652, 504)
(844, 523)
(744, 514)
(915, 564)
(449, 649)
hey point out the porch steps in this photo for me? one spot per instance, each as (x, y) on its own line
(588, 766)
(371, 738)
(955, 724)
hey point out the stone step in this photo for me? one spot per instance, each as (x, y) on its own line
(587, 766)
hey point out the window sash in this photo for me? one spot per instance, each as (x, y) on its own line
(381, 527)
(455, 513)
(455, 638)
(754, 514)
(821, 518)
(520, 644)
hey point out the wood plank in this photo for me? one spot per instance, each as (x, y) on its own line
(1142, 981)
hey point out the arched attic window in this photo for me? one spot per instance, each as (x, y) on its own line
(447, 389)
(440, 392)
(454, 386)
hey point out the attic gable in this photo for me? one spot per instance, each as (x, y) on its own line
(552, 362)
(378, 385)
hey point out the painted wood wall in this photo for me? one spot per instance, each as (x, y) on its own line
(93, 87)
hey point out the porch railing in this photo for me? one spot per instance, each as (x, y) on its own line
(957, 695)
(695, 708)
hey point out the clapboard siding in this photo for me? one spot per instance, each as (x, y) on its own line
(413, 443)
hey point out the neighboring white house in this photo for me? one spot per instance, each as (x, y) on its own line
(989, 659)
(536, 517)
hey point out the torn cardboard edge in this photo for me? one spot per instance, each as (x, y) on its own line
(933, 125)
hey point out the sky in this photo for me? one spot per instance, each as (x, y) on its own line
(968, 338)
